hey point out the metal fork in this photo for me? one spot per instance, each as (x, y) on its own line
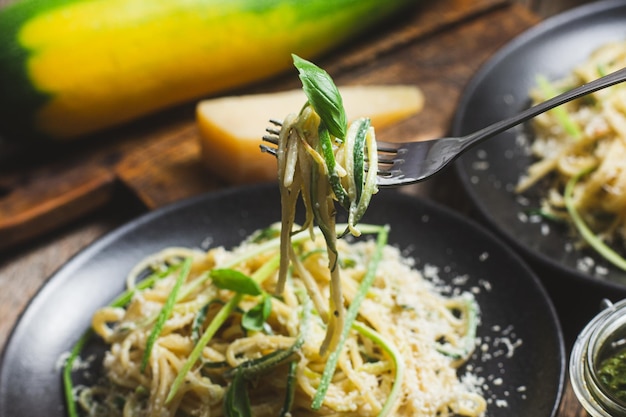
(410, 162)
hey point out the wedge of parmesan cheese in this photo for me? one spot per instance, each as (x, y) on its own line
(231, 127)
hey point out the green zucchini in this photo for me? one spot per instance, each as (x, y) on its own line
(69, 68)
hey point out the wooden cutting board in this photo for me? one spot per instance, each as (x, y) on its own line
(438, 47)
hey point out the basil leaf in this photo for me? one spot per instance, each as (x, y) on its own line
(323, 95)
(255, 318)
(231, 279)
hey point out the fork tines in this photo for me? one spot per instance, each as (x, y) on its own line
(272, 138)
(273, 133)
(274, 130)
(387, 152)
(268, 149)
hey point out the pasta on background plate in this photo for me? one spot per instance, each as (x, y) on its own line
(581, 155)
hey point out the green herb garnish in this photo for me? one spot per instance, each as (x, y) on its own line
(233, 280)
(323, 95)
(588, 235)
(259, 276)
(255, 318)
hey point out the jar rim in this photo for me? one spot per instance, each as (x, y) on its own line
(583, 360)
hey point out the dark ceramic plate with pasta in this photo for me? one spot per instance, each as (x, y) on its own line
(519, 363)
(576, 276)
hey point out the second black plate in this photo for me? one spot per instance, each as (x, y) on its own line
(522, 352)
(490, 171)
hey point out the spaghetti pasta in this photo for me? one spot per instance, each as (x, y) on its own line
(402, 311)
(294, 321)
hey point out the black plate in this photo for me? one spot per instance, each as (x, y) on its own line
(515, 307)
(490, 171)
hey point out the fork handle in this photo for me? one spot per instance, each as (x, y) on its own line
(503, 125)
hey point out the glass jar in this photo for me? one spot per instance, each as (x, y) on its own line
(604, 336)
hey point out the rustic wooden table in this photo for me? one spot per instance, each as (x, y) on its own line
(155, 163)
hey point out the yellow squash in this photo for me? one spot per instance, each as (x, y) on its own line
(73, 67)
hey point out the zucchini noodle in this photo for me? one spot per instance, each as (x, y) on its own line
(583, 143)
(399, 358)
(303, 171)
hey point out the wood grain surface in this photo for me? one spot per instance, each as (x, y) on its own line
(55, 203)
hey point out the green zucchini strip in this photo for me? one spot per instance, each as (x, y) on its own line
(548, 91)
(259, 276)
(198, 320)
(290, 392)
(469, 340)
(590, 237)
(193, 285)
(359, 156)
(355, 163)
(148, 282)
(67, 373)
(121, 301)
(236, 398)
(124, 298)
(350, 317)
(325, 219)
(213, 327)
(165, 313)
(369, 187)
(326, 147)
(258, 366)
(396, 357)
